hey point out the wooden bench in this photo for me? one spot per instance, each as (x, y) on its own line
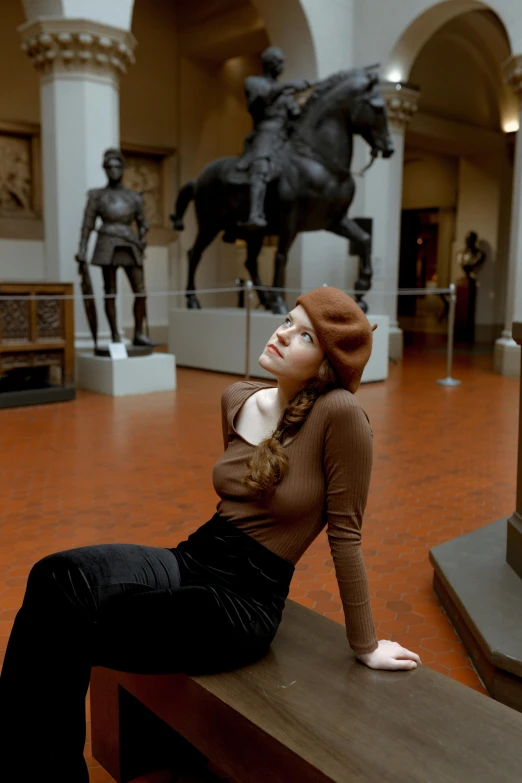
(307, 713)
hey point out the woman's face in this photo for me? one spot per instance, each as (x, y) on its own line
(294, 351)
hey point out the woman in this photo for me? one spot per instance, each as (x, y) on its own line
(297, 457)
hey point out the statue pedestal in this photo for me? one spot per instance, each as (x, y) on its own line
(465, 311)
(215, 339)
(136, 375)
(478, 578)
(482, 595)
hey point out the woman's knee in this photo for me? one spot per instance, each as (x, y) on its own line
(57, 574)
(43, 569)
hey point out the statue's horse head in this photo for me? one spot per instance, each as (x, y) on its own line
(367, 110)
(345, 104)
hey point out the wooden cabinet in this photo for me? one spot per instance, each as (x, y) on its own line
(37, 329)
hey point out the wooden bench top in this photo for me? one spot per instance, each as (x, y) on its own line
(310, 712)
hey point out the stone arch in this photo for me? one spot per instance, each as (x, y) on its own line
(413, 38)
(417, 41)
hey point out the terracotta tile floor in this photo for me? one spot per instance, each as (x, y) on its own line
(138, 470)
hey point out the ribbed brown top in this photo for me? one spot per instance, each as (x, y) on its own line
(330, 462)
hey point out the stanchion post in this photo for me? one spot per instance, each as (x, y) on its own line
(248, 289)
(448, 380)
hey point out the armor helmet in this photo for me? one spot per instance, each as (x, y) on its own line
(273, 56)
(113, 154)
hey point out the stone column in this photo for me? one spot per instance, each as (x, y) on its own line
(80, 63)
(507, 352)
(383, 202)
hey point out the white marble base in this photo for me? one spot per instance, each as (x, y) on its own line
(396, 342)
(137, 375)
(507, 357)
(215, 339)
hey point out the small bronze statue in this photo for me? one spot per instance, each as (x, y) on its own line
(470, 259)
(473, 256)
(117, 244)
(272, 108)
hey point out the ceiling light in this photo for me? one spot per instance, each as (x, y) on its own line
(395, 76)
(511, 126)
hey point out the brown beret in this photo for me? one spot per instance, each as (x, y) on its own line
(343, 331)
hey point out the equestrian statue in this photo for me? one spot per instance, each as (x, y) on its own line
(294, 174)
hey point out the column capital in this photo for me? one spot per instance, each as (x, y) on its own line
(72, 45)
(513, 73)
(401, 103)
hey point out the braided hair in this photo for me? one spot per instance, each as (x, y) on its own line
(268, 464)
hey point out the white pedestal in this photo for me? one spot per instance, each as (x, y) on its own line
(395, 342)
(507, 357)
(215, 339)
(137, 375)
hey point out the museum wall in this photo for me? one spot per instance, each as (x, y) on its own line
(430, 180)
(20, 93)
(473, 188)
(21, 232)
(479, 210)
(149, 92)
(149, 120)
(22, 260)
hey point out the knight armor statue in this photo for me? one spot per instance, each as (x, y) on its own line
(118, 244)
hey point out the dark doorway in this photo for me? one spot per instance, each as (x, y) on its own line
(418, 255)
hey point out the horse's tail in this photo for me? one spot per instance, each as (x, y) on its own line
(185, 196)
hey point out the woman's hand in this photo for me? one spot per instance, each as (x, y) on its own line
(390, 655)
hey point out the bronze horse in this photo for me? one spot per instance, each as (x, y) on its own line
(315, 188)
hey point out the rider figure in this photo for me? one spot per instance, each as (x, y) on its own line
(272, 107)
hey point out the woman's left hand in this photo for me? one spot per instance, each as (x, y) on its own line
(390, 655)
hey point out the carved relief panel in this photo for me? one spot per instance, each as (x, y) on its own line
(16, 180)
(144, 174)
(49, 319)
(15, 321)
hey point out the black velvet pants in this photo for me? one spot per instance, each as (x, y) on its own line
(213, 603)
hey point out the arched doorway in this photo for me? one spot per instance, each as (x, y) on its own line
(457, 161)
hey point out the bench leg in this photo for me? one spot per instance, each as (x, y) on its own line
(105, 719)
(129, 740)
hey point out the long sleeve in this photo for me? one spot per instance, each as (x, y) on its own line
(347, 460)
(230, 395)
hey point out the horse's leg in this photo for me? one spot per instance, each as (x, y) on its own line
(350, 230)
(287, 235)
(254, 245)
(203, 240)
